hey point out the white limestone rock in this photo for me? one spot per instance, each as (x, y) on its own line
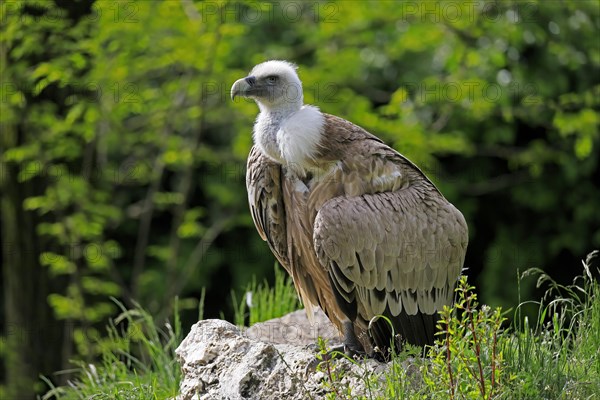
(266, 362)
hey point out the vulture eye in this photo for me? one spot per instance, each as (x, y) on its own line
(271, 79)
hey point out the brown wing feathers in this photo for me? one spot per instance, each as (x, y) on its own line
(263, 181)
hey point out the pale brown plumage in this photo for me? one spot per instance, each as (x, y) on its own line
(361, 229)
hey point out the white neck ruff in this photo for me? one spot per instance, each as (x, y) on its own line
(291, 139)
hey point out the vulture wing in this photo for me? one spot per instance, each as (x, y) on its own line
(275, 197)
(263, 182)
(392, 254)
(392, 244)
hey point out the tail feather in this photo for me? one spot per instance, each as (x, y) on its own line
(417, 330)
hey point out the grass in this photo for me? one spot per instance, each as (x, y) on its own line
(558, 357)
(138, 362)
(263, 302)
(466, 361)
(475, 356)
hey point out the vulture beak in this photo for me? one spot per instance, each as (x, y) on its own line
(243, 87)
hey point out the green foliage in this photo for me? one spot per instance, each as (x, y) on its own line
(333, 372)
(129, 156)
(466, 361)
(263, 302)
(558, 356)
(137, 361)
(403, 379)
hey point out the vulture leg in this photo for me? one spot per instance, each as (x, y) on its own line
(352, 346)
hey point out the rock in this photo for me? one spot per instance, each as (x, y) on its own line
(266, 362)
(295, 328)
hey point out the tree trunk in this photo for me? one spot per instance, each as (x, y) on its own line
(36, 343)
(33, 337)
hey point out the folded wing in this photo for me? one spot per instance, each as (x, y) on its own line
(393, 254)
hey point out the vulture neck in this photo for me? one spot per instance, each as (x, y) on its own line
(290, 133)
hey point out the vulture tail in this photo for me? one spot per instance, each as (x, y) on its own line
(417, 330)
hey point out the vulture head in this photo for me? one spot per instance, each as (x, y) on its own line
(274, 85)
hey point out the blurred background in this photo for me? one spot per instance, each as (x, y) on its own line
(122, 159)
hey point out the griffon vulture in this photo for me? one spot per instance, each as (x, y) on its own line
(361, 230)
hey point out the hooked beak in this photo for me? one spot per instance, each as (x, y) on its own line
(242, 87)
